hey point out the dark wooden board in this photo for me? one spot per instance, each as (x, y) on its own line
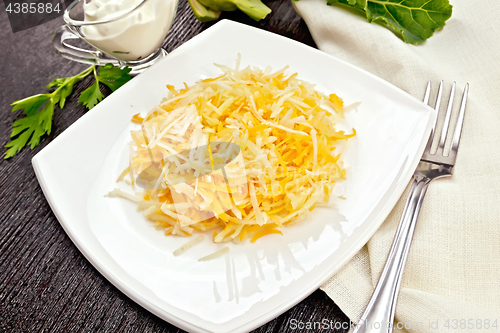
(46, 284)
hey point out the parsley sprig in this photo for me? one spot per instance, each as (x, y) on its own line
(39, 109)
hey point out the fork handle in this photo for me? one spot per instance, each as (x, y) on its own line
(379, 314)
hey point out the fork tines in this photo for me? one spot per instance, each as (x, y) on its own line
(440, 156)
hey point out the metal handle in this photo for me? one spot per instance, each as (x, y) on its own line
(77, 54)
(379, 314)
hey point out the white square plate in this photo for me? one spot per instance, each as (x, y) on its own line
(254, 282)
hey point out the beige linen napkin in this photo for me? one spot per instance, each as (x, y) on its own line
(452, 277)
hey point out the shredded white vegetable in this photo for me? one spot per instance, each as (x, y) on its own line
(188, 245)
(216, 254)
(242, 154)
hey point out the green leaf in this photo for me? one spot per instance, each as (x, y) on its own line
(360, 4)
(16, 145)
(414, 21)
(44, 124)
(30, 104)
(91, 96)
(63, 93)
(37, 123)
(114, 77)
(65, 88)
(58, 82)
(33, 126)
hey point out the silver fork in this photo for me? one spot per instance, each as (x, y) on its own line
(379, 314)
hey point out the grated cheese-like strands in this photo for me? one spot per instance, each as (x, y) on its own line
(216, 254)
(288, 143)
(120, 193)
(315, 147)
(188, 245)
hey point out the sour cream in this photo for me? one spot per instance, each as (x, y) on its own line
(133, 37)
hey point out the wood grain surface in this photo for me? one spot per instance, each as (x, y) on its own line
(46, 284)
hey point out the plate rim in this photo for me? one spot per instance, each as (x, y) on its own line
(143, 301)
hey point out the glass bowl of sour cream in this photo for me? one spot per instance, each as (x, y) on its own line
(121, 32)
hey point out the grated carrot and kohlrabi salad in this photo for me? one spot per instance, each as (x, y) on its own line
(282, 132)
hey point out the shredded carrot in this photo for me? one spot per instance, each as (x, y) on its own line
(137, 118)
(288, 160)
(123, 174)
(263, 233)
